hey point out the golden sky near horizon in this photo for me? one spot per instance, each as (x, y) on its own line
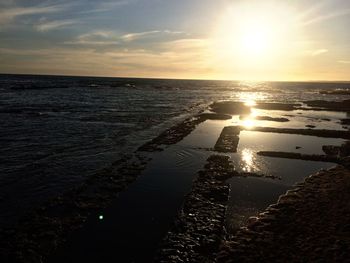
(240, 40)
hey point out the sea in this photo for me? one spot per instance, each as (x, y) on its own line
(56, 131)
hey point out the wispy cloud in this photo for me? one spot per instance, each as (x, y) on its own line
(10, 13)
(102, 6)
(52, 25)
(108, 38)
(318, 52)
(134, 36)
(322, 18)
(95, 38)
(344, 61)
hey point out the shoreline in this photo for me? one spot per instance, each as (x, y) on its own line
(39, 234)
(310, 222)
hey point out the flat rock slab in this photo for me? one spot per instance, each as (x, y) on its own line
(310, 132)
(299, 156)
(277, 106)
(230, 107)
(199, 227)
(330, 105)
(308, 224)
(228, 140)
(215, 116)
(268, 118)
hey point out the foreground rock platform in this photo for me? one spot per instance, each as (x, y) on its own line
(310, 223)
(199, 227)
(228, 140)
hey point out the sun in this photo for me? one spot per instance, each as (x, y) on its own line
(247, 37)
(255, 41)
(253, 35)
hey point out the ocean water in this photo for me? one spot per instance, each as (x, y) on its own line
(57, 131)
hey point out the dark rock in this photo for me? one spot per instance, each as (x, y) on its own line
(214, 116)
(331, 150)
(267, 118)
(306, 157)
(199, 226)
(277, 106)
(310, 126)
(329, 105)
(302, 225)
(228, 140)
(313, 132)
(345, 121)
(230, 107)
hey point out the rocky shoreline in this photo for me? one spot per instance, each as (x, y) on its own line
(310, 223)
(41, 232)
(198, 231)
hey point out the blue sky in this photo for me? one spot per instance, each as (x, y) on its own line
(177, 39)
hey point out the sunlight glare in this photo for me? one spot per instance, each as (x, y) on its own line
(249, 123)
(250, 103)
(252, 35)
(247, 160)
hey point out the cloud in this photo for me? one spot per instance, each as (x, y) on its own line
(135, 36)
(344, 61)
(102, 6)
(52, 25)
(182, 56)
(318, 52)
(8, 14)
(101, 38)
(327, 17)
(95, 38)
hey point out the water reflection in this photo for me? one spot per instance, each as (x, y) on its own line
(248, 121)
(250, 98)
(248, 160)
(250, 103)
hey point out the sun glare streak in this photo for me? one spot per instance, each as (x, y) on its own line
(250, 103)
(247, 156)
(249, 123)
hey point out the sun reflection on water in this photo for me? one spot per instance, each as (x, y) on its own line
(248, 159)
(250, 103)
(248, 121)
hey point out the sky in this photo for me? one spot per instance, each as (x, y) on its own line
(191, 39)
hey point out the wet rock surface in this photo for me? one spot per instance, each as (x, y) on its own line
(39, 233)
(215, 116)
(180, 131)
(268, 118)
(199, 226)
(345, 121)
(310, 132)
(228, 140)
(277, 106)
(230, 107)
(329, 105)
(337, 151)
(310, 223)
(306, 157)
(172, 135)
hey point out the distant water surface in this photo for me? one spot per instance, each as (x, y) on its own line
(56, 131)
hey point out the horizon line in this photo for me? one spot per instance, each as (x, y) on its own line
(167, 78)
